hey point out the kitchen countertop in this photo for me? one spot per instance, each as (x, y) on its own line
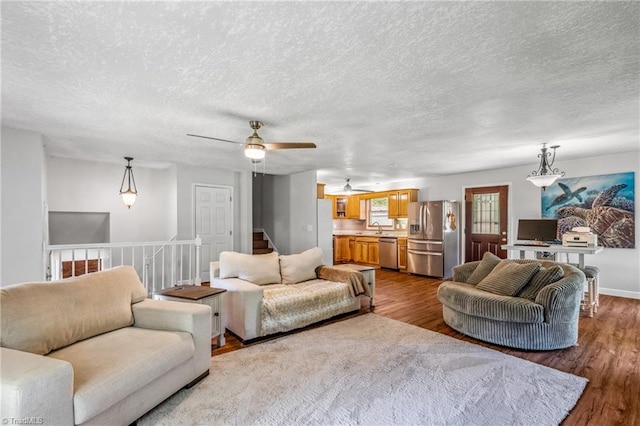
(397, 234)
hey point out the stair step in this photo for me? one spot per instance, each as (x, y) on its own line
(262, 250)
(260, 244)
(258, 236)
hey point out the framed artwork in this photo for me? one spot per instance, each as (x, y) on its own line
(604, 203)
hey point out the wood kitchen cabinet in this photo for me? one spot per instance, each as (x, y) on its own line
(402, 254)
(353, 207)
(399, 202)
(367, 250)
(345, 207)
(341, 250)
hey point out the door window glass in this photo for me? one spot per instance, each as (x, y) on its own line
(486, 213)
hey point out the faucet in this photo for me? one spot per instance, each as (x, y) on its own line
(379, 227)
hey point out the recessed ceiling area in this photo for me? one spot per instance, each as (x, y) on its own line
(435, 87)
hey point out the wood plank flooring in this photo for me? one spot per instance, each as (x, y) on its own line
(608, 350)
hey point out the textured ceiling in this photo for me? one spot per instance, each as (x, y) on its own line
(434, 87)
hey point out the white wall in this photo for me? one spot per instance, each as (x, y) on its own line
(90, 186)
(619, 268)
(23, 202)
(289, 211)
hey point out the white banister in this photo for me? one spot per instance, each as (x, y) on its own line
(169, 270)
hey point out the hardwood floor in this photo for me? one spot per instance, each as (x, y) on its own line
(608, 350)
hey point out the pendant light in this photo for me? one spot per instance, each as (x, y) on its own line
(545, 175)
(129, 195)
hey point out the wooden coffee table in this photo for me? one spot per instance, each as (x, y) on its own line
(213, 297)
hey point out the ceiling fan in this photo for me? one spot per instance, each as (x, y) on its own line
(254, 147)
(348, 189)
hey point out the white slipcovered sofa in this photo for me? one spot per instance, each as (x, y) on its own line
(94, 350)
(269, 294)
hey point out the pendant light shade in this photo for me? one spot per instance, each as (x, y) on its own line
(131, 192)
(545, 175)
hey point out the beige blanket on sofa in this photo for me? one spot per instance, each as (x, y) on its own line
(357, 282)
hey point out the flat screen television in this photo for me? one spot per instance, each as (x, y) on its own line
(538, 230)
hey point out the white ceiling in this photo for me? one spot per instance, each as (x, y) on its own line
(434, 87)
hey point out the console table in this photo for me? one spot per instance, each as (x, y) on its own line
(556, 248)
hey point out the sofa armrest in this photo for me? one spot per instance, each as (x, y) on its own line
(214, 270)
(192, 318)
(461, 273)
(561, 299)
(242, 305)
(36, 387)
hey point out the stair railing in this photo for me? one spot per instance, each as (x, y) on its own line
(159, 264)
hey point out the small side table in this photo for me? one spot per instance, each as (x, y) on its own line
(214, 297)
(369, 273)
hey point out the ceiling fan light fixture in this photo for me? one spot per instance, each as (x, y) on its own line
(347, 188)
(254, 151)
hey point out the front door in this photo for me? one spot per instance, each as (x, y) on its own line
(486, 218)
(213, 223)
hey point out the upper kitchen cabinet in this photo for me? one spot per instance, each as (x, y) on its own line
(353, 207)
(399, 202)
(345, 207)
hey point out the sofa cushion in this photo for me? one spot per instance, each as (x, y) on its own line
(467, 299)
(296, 268)
(256, 268)
(486, 265)
(41, 317)
(286, 307)
(109, 367)
(508, 277)
(541, 279)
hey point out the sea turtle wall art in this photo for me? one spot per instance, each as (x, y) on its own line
(605, 203)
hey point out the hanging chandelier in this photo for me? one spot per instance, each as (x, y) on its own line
(128, 195)
(545, 175)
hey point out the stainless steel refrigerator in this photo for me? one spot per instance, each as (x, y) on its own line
(433, 239)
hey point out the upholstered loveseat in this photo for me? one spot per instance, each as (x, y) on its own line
(270, 293)
(95, 350)
(522, 304)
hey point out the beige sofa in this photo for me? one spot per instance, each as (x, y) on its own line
(94, 350)
(269, 294)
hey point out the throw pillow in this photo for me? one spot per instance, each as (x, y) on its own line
(296, 268)
(256, 268)
(541, 279)
(488, 262)
(508, 277)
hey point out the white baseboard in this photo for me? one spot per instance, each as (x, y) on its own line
(620, 293)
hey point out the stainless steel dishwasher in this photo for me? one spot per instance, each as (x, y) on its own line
(388, 253)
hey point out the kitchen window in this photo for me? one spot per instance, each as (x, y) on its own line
(378, 213)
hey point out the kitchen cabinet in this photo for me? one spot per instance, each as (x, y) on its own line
(352, 249)
(341, 249)
(345, 207)
(402, 254)
(353, 207)
(398, 202)
(367, 250)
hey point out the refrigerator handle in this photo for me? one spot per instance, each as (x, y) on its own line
(422, 219)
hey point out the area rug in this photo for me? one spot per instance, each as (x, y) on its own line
(371, 370)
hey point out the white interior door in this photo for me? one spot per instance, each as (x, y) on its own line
(213, 223)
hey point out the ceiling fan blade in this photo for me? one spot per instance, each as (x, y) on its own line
(289, 145)
(215, 139)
